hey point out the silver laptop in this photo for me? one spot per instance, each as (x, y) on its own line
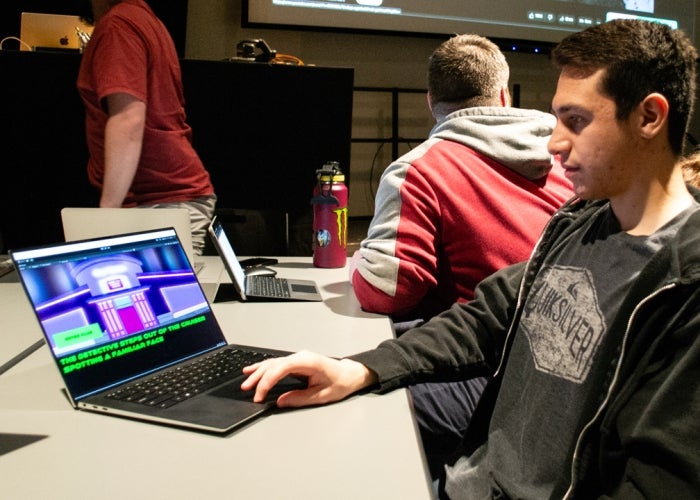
(51, 31)
(81, 223)
(128, 325)
(261, 288)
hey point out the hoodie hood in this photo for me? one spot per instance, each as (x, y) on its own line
(514, 137)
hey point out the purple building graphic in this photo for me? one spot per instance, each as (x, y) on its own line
(117, 294)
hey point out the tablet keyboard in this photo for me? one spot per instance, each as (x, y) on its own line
(267, 286)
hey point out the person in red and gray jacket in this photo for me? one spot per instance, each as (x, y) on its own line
(470, 200)
(467, 202)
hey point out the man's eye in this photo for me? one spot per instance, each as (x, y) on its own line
(574, 122)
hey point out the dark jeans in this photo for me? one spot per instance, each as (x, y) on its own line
(443, 411)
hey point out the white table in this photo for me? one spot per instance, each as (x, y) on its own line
(366, 447)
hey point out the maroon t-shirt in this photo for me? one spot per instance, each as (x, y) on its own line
(132, 52)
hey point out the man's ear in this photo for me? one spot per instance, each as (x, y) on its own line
(505, 97)
(653, 115)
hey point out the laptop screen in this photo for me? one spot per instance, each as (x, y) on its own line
(234, 268)
(116, 308)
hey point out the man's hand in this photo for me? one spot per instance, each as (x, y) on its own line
(328, 379)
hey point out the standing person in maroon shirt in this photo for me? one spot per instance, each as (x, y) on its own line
(140, 146)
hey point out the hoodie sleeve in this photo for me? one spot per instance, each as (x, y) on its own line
(649, 439)
(398, 258)
(466, 340)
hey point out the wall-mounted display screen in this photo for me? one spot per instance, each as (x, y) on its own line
(527, 20)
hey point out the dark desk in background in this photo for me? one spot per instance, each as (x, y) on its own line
(261, 129)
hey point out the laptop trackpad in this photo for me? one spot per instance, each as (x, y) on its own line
(233, 390)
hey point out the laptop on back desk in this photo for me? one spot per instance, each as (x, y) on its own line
(255, 288)
(81, 223)
(41, 31)
(120, 313)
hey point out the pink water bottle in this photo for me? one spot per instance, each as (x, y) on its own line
(330, 224)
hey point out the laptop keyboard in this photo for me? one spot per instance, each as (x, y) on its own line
(267, 286)
(180, 383)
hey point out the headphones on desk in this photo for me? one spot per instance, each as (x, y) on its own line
(257, 50)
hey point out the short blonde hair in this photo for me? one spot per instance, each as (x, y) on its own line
(467, 70)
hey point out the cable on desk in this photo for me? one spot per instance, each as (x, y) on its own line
(36, 345)
(16, 39)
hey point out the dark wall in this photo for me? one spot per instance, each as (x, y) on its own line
(42, 139)
(173, 13)
(262, 131)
